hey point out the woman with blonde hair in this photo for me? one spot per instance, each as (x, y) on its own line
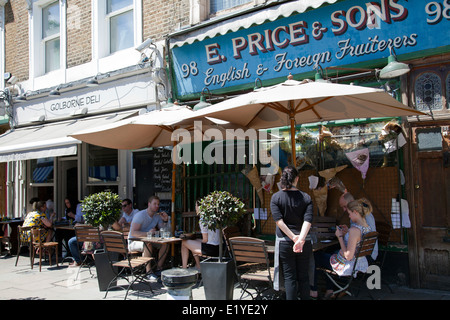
(342, 262)
(38, 219)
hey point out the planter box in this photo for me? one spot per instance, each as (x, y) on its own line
(218, 278)
(104, 271)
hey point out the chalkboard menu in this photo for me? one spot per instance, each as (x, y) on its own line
(162, 177)
(153, 176)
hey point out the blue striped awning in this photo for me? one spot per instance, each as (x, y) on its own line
(104, 173)
(42, 174)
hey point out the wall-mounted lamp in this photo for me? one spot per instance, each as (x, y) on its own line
(5, 100)
(394, 68)
(169, 103)
(93, 82)
(21, 97)
(318, 77)
(79, 112)
(202, 103)
(39, 119)
(55, 92)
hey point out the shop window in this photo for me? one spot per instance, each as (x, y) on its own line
(219, 5)
(41, 178)
(119, 13)
(102, 165)
(429, 139)
(50, 36)
(42, 170)
(327, 150)
(428, 91)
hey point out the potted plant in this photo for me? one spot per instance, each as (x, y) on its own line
(218, 210)
(102, 209)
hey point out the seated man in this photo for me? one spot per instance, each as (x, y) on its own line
(144, 221)
(73, 244)
(128, 213)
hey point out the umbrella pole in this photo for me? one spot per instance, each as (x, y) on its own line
(294, 155)
(172, 227)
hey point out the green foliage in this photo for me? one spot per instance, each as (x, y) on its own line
(220, 209)
(102, 209)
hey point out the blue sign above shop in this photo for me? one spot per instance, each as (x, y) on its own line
(345, 33)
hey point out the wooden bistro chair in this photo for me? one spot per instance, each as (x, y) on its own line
(252, 265)
(322, 227)
(115, 242)
(230, 232)
(42, 247)
(363, 249)
(87, 234)
(24, 240)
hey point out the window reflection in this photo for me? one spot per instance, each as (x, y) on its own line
(42, 170)
(102, 164)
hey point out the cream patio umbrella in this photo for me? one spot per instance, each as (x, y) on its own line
(154, 129)
(305, 101)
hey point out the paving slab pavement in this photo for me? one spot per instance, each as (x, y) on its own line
(61, 283)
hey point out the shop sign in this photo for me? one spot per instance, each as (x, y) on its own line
(116, 95)
(345, 33)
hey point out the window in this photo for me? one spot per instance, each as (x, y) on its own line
(50, 36)
(102, 169)
(41, 177)
(428, 91)
(42, 170)
(119, 13)
(102, 165)
(219, 5)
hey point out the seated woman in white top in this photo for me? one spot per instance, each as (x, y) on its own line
(342, 262)
(207, 246)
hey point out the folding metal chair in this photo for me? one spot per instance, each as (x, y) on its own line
(252, 265)
(115, 242)
(364, 248)
(87, 234)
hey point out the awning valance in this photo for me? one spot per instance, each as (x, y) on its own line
(258, 17)
(49, 140)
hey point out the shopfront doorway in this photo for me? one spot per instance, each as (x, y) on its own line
(68, 180)
(431, 174)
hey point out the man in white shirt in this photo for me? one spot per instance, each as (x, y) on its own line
(128, 213)
(144, 221)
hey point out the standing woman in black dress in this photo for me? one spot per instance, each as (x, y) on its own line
(292, 211)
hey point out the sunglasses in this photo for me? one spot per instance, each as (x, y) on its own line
(124, 205)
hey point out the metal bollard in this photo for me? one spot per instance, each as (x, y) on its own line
(179, 283)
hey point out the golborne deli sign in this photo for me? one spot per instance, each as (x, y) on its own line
(345, 33)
